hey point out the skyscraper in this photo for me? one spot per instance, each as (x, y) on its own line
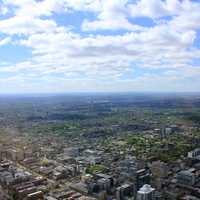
(146, 193)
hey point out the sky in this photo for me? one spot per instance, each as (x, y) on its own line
(58, 46)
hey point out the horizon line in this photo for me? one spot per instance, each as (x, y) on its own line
(95, 92)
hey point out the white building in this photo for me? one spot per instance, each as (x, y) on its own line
(146, 192)
(195, 154)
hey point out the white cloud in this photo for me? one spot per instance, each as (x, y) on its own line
(158, 8)
(96, 56)
(36, 8)
(113, 15)
(110, 24)
(26, 25)
(95, 59)
(149, 8)
(3, 10)
(186, 21)
(5, 41)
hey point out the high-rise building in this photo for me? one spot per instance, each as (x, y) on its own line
(146, 193)
(124, 191)
(195, 154)
(187, 177)
(141, 178)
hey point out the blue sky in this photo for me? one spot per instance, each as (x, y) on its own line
(49, 46)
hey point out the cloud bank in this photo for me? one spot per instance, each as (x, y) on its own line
(118, 45)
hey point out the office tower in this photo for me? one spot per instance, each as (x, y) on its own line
(146, 193)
